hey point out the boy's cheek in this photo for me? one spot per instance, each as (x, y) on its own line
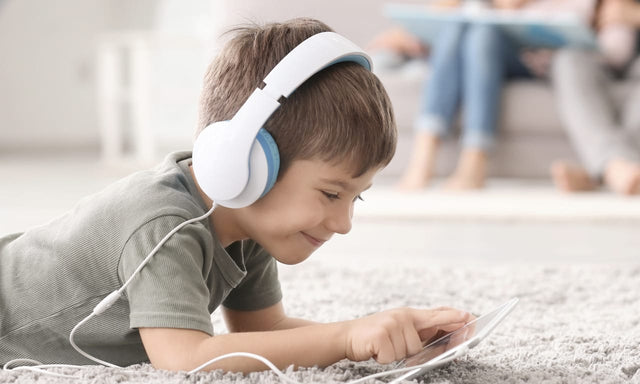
(290, 253)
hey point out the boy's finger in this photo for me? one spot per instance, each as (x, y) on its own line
(444, 308)
(429, 318)
(385, 353)
(429, 334)
(413, 341)
(399, 344)
(451, 327)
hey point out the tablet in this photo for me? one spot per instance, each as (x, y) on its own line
(527, 28)
(455, 344)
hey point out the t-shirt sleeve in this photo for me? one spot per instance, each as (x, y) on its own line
(260, 288)
(170, 291)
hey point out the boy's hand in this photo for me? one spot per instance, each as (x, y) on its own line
(392, 335)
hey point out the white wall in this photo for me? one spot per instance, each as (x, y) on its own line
(48, 95)
(46, 71)
(359, 20)
(47, 67)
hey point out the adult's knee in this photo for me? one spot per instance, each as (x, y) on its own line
(484, 38)
(449, 42)
(483, 49)
(571, 62)
(568, 58)
(451, 36)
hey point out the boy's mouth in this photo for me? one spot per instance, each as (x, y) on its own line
(313, 240)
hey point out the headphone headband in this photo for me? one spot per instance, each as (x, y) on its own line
(226, 175)
(311, 56)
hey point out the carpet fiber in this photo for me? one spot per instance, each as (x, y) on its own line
(574, 324)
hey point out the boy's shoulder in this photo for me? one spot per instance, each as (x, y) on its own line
(165, 190)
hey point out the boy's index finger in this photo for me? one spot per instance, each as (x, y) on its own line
(428, 318)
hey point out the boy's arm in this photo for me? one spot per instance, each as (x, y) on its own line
(386, 336)
(185, 349)
(269, 319)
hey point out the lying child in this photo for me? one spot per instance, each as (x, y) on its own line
(333, 134)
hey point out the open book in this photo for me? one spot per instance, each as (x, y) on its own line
(527, 28)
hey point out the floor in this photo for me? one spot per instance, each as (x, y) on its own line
(512, 221)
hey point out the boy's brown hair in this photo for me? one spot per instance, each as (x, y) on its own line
(342, 113)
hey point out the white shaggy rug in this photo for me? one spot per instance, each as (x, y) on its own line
(574, 324)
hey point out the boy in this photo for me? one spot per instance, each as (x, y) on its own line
(334, 133)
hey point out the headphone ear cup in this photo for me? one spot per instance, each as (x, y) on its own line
(264, 162)
(208, 150)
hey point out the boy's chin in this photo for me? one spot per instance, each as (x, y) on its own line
(291, 259)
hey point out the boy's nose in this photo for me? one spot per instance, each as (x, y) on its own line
(340, 221)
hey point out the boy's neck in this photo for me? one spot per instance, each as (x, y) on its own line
(226, 233)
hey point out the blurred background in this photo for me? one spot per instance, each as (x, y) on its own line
(72, 69)
(121, 79)
(106, 75)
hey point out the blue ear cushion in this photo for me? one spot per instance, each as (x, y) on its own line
(354, 58)
(272, 154)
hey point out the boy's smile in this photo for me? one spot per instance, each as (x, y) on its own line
(314, 241)
(309, 203)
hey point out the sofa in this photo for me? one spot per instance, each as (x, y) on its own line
(530, 134)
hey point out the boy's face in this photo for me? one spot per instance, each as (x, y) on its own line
(312, 201)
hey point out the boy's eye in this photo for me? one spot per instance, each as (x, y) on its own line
(335, 196)
(331, 196)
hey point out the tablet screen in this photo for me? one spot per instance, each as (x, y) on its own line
(468, 335)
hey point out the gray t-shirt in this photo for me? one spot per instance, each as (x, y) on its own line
(52, 276)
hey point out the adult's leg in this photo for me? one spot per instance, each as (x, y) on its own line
(578, 88)
(438, 106)
(570, 177)
(483, 69)
(590, 117)
(582, 87)
(623, 174)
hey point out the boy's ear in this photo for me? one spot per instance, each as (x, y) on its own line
(263, 164)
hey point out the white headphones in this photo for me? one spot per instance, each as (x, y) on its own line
(236, 161)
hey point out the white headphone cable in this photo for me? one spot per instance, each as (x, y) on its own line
(110, 299)
(41, 368)
(102, 306)
(254, 356)
(37, 367)
(115, 295)
(287, 379)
